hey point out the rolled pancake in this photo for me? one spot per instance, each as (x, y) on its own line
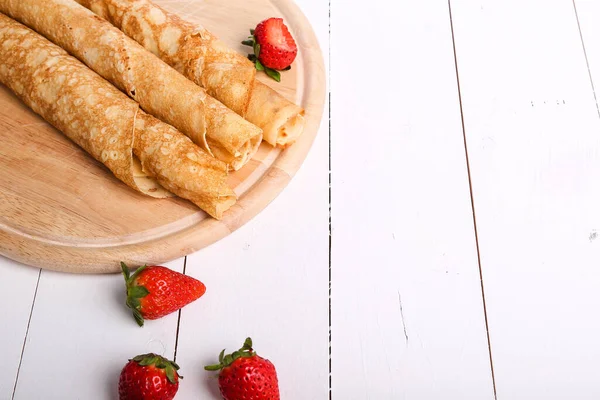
(182, 167)
(163, 93)
(203, 58)
(107, 124)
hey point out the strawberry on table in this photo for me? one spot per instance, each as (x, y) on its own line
(274, 47)
(149, 377)
(246, 376)
(155, 291)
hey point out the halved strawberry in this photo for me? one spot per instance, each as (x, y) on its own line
(274, 47)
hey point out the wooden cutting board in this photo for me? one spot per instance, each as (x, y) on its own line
(62, 210)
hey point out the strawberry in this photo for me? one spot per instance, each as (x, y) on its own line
(245, 375)
(149, 377)
(274, 47)
(155, 291)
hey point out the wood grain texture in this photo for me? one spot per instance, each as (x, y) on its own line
(407, 315)
(61, 210)
(81, 320)
(81, 335)
(532, 131)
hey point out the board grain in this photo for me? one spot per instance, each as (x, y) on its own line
(62, 210)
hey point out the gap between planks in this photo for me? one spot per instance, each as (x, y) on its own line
(462, 120)
(26, 334)
(587, 64)
(329, 144)
(179, 318)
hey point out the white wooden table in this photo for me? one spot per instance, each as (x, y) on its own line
(463, 260)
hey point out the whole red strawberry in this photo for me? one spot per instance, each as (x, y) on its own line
(155, 291)
(149, 377)
(274, 47)
(246, 376)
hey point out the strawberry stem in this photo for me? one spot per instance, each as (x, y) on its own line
(134, 292)
(170, 367)
(225, 361)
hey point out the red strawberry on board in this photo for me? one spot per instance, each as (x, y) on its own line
(155, 291)
(246, 376)
(274, 47)
(149, 377)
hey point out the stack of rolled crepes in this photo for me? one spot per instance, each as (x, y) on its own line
(158, 88)
(107, 124)
(191, 89)
(202, 58)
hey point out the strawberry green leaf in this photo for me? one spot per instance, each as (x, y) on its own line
(227, 360)
(248, 42)
(140, 357)
(137, 273)
(273, 74)
(247, 344)
(259, 66)
(287, 68)
(138, 292)
(170, 375)
(235, 355)
(252, 57)
(125, 270)
(138, 317)
(134, 292)
(134, 303)
(215, 367)
(252, 31)
(221, 356)
(257, 49)
(169, 367)
(147, 361)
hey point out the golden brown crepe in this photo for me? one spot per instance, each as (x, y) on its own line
(202, 58)
(107, 124)
(160, 90)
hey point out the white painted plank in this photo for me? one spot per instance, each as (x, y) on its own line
(269, 280)
(533, 136)
(17, 288)
(81, 335)
(407, 313)
(588, 13)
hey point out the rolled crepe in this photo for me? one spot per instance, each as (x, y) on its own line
(202, 58)
(163, 93)
(107, 124)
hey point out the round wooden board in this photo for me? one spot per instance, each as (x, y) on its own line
(62, 210)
